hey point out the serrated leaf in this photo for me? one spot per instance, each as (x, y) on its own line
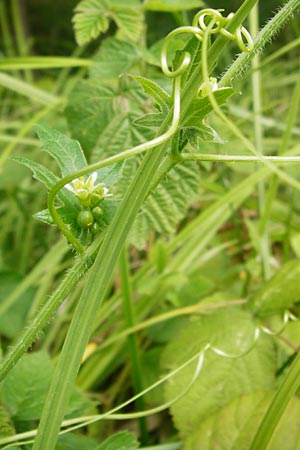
(167, 205)
(129, 19)
(233, 427)
(120, 441)
(221, 379)
(171, 5)
(89, 111)
(280, 292)
(66, 151)
(200, 107)
(150, 120)
(40, 172)
(44, 216)
(159, 95)
(90, 19)
(119, 135)
(47, 178)
(114, 58)
(110, 174)
(196, 135)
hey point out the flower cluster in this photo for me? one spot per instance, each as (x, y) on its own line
(88, 193)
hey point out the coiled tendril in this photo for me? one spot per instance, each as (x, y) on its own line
(210, 20)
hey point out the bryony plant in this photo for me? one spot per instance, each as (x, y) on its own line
(82, 202)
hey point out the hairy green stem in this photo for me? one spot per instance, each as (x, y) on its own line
(265, 36)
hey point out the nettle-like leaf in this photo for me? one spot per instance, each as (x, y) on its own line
(89, 111)
(92, 18)
(168, 204)
(222, 379)
(114, 58)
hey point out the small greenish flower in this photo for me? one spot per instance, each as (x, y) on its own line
(207, 87)
(88, 193)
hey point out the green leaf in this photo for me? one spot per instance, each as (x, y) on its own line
(171, 5)
(13, 320)
(159, 95)
(221, 379)
(167, 205)
(233, 427)
(44, 216)
(89, 111)
(202, 133)
(40, 172)
(72, 441)
(150, 120)
(114, 58)
(46, 177)
(280, 292)
(129, 18)
(66, 151)
(120, 441)
(90, 19)
(25, 387)
(200, 107)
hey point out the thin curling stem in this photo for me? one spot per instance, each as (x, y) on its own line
(111, 160)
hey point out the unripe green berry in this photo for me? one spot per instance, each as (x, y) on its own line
(85, 218)
(95, 228)
(97, 212)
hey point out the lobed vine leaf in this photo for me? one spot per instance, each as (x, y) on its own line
(66, 151)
